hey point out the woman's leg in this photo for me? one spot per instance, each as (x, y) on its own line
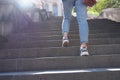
(82, 21)
(81, 12)
(67, 6)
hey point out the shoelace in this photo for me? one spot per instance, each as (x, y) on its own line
(83, 49)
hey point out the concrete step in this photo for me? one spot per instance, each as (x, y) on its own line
(58, 43)
(37, 36)
(78, 74)
(101, 23)
(58, 63)
(93, 25)
(55, 25)
(58, 51)
(71, 30)
(47, 33)
(57, 35)
(72, 27)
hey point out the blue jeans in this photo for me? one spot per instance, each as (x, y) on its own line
(81, 12)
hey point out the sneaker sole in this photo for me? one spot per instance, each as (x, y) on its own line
(85, 54)
(65, 44)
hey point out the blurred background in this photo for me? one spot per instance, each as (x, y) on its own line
(17, 13)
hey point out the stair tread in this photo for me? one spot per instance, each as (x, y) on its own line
(67, 57)
(58, 51)
(57, 43)
(71, 32)
(58, 37)
(61, 71)
(57, 63)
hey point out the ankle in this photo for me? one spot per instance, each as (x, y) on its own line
(65, 35)
(83, 45)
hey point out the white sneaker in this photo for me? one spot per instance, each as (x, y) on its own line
(65, 43)
(84, 52)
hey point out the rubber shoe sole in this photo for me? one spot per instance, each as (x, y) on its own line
(65, 43)
(84, 54)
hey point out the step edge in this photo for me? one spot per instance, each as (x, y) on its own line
(62, 57)
(92, 70)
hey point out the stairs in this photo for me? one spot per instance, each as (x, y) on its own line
(35, 53)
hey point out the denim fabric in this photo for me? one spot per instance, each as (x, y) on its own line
(81, 12)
